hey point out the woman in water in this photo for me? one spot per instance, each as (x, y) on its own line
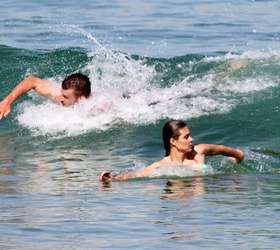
(179, 150)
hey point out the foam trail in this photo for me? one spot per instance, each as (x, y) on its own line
(180, 171)
(257, 55)
(171, 170)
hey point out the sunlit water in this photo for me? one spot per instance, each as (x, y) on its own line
(214, 64)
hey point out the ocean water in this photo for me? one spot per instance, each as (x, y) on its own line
(213, 63)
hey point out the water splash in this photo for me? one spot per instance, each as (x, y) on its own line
(129, 90)
(181, 171)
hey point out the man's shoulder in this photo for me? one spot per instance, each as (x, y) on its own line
(200, 148)
(159, 163)
(47, 88)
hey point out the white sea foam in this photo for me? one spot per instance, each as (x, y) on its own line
(125, 89)
(179, 171)
(169, 170)
(251, 54)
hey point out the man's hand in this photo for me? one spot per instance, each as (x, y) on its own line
(237, 158)
(5, 108)
(233, 160)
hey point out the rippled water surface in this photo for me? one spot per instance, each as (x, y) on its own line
(214, 64)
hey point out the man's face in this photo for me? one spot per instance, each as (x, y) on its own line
(68, 97)
(184, 141)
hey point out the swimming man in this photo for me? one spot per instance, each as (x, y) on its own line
(179, 150)
(73, 88)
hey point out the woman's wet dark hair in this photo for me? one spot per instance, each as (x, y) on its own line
(171, 130)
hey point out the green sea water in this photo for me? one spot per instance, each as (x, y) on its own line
(51, 156)
(185, 66)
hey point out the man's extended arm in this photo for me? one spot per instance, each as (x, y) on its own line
(212, 149)
(42, 87)
(131, 174)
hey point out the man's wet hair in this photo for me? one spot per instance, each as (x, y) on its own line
(79, 83)
(171, 130)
